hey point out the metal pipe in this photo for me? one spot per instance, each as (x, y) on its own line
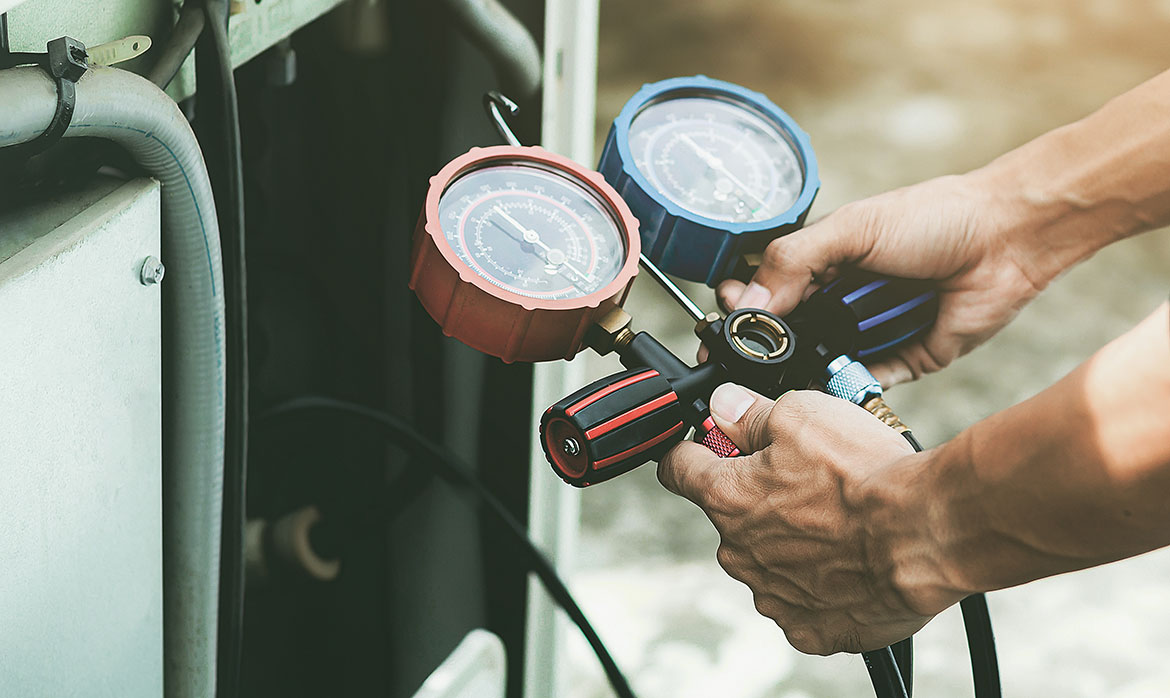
(675, 292)
(492, 101)
(179, 44)
(129, 110)
(506, 41)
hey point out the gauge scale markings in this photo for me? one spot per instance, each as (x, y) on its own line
(717, 158)
(524, 240)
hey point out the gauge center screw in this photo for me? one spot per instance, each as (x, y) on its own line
(571, 447)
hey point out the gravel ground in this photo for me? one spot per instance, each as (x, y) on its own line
(891, 92)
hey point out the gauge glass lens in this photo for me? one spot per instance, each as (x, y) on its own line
(533, 231)
(719, 158)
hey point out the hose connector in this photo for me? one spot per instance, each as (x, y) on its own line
(877, 407)
(851, 380)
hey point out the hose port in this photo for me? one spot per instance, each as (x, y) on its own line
(758, 335)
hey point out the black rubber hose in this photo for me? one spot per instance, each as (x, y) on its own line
(883, 672)
(217, 125)
(904, 656)
(179, 45)
(458, 474)
(980, 637)
(981, 645)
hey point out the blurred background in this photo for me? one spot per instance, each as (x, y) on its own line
(892, 92)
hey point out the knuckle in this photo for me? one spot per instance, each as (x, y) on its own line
(778, 254)
(790, 409)
(723, 499)
(727, 558)
(805, 640)
(667, 473)
(848, 641)
(769, 606)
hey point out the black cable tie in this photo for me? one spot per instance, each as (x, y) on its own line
(65, 60)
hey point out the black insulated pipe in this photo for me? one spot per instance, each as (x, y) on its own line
(217, 124)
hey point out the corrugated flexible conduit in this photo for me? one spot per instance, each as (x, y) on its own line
(132, 112)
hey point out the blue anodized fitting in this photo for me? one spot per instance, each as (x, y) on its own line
(682, 242)
(851, 380)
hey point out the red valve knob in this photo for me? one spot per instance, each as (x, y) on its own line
(715, 440)
(611, 426)
(617, 423)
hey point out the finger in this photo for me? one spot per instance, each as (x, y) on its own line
(690, 470)
(702, 354)
(794, 261)
(892, 371)
(742, 415)
(728, 293)
(915, 360)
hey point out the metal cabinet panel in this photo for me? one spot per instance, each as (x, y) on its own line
(81, 447)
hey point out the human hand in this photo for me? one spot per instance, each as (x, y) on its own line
(815, 522)
(951, 229)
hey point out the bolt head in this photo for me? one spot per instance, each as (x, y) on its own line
(152, 271)
(570, 446)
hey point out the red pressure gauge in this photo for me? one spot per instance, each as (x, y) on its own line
(519, 250)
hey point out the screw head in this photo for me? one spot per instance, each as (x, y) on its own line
(152, 271)
(570, 446)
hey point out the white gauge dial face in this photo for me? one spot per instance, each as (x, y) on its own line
(532, 231)
(717, 158)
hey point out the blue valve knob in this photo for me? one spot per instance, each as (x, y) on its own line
(862, 314)
(713, 172)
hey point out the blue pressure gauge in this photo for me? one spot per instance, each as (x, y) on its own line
(713, 172)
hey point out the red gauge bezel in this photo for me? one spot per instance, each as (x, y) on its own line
(478, 158)
(496, 320)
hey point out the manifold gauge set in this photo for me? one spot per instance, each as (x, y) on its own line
(527, 256)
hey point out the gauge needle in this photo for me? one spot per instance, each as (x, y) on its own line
(531, 236)
(717, 164)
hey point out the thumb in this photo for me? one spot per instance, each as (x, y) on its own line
(742, 414)
(793, 262)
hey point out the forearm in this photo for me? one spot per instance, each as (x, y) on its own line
(1077, 476)
(1078, 188)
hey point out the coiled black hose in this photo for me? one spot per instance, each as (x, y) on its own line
(458, 474)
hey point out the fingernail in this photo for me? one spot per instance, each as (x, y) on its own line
(754, 296)
(729, 402)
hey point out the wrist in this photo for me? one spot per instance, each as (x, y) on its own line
(914, 534)
(1041, 221)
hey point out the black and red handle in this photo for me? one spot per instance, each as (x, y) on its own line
(615, 424)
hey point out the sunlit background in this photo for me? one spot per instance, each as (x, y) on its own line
(892, 92)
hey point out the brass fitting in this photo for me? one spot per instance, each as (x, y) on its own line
(877, 407)
(610, 332)
(706, 322)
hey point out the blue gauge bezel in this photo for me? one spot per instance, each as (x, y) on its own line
(698, 86)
